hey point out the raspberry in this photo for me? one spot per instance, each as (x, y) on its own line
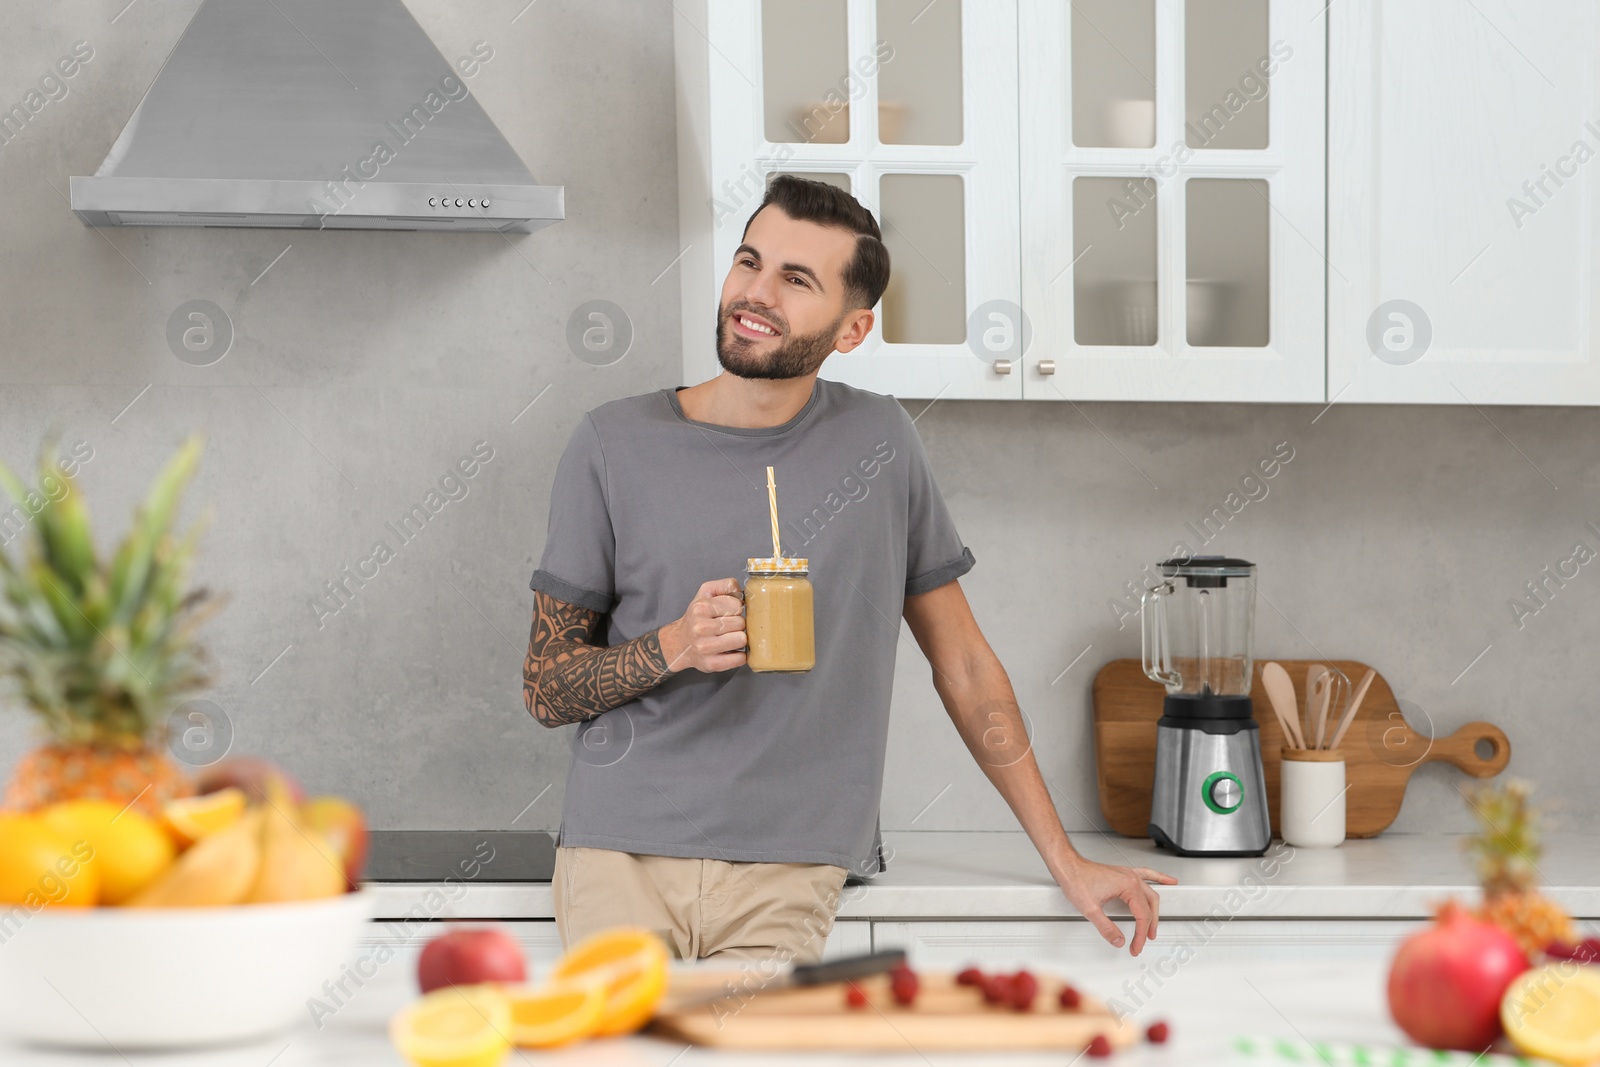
(854, 997)
(1158, 1033)
(997, 989)
(1070, 998)
(1100, 1047)
(902, 969)
(1024, 987)
(970, 976)
(905, 992)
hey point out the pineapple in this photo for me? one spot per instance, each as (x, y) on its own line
(101, 651)
(1506, 854)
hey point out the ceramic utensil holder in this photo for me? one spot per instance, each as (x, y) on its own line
(1311, 809)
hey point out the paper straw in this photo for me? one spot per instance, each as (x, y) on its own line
(772, 502)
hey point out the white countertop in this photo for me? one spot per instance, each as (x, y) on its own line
(995, 875)
(1210, 1004)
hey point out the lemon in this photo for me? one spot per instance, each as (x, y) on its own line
(1554, 1012)
(633, 964)
(40, 868)
(129, 849)
(458, 1026)
(556, 1014)
(192, 819)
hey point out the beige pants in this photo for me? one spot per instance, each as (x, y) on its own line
(700, 907)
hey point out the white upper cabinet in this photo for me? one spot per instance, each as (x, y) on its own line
(1172, 199)
(909, 104)
(1463, 201)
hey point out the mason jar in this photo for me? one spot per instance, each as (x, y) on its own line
(778, 615)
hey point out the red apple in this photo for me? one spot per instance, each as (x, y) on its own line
(342, 823)
(469, 956)
(249, 773)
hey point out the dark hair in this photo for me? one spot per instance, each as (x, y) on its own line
(866, 276)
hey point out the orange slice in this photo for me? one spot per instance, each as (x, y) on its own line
(556, 1014)
(458, 1026)
(1554, 1012)
(632, 962)
(193, 818)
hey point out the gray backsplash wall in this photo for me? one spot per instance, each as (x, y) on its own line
(365, 365)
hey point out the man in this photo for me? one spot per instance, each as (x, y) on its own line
(721, 807)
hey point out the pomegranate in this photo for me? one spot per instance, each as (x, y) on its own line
(1446, 982)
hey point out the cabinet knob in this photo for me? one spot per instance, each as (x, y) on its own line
(1047, 366)
(1003, 366)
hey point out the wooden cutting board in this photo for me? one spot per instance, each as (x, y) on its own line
(1380, 749)
(945, 1017)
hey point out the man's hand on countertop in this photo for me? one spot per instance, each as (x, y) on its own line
(1088, 885)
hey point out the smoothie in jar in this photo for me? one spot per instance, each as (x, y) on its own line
(778, 615)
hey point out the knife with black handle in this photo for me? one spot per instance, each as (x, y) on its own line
(744, 984)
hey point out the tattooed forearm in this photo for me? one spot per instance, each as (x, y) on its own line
(565, 679)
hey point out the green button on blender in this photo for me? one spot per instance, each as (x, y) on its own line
(1222, 792)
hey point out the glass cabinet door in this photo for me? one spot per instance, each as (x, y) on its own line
(903, 103)
(1172, 199)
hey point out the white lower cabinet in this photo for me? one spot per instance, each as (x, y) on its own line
(393, 944)
(1065, 945)
(850, 937)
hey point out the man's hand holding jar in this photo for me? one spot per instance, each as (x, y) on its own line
(710, 635)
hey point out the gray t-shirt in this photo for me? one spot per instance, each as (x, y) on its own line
(647, 506)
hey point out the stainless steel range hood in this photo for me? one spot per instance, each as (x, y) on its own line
(320, 114)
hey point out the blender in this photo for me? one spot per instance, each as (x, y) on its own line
(1197, 625)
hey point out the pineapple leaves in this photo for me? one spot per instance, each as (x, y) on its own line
(102, 651)
(136, 556)
(64, 522)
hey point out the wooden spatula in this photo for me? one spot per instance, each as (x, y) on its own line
(1313, 697)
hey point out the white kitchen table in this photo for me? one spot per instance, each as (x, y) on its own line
(1300, 958)
(1210, 1004)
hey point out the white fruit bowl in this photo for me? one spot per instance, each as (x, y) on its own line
(147, 978)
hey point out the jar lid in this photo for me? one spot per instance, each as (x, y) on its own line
(777, 565)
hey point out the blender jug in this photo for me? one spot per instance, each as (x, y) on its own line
(1197, 627)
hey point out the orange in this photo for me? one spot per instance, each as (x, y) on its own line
(194, 818)
(458, 1026)
(129, 850)
(633, 964)
(40, 868)
(555, 1014)
(1554, 1012)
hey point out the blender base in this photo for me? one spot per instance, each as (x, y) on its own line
(1165, 842)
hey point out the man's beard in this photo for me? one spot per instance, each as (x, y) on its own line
(794, 357)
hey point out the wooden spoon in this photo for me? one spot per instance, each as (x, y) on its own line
(1280, 694)
(1350, 712)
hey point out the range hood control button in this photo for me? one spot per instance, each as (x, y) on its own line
(483, 203)
(458, 201)
(433, 201)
